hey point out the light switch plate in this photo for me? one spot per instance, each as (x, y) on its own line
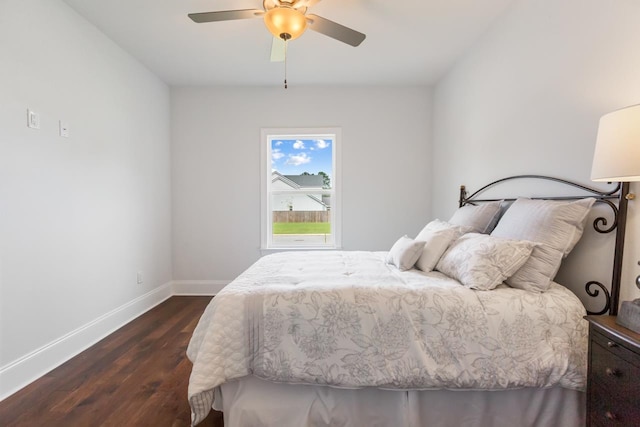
(33, 119)
(64, 129)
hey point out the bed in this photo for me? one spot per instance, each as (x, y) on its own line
(462, 325)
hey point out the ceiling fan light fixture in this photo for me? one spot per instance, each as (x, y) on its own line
(285, 22)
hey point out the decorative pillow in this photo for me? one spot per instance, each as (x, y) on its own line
(481, 218)
(405, 252)
(556, 226)
(480, 261)
(437, 235)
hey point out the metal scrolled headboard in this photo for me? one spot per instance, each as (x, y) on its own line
(599, 224)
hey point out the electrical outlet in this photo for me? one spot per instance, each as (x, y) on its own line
(139, 278)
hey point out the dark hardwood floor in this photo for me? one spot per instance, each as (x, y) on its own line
(137, 376)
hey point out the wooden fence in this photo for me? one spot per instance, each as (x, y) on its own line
(300, 216)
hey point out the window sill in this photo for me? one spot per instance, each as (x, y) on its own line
(266, 251)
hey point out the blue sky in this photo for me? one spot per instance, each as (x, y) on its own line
(295, 156)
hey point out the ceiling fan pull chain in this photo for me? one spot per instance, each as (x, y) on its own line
(285, 62)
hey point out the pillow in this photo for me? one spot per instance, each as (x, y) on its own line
(405, 252)
(556, 226)
(437, 235)
(481, 218)
(480, 261)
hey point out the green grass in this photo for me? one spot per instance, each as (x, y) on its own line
(301, 228)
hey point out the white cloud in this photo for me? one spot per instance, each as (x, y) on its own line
(321, 144)
(299, 159)
(298, 145)
(278, 143)
(276, 154)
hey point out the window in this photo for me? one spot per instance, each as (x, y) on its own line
(300, 188)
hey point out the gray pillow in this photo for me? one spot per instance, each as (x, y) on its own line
(481, 218)
(556, 226)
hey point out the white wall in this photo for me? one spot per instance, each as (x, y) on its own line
(216, 164)
(79, 216)
(527, 99)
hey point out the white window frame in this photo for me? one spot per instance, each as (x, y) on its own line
(266, 135)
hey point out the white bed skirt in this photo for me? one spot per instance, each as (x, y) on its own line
(251, 402)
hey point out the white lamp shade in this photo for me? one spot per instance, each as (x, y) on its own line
(617, 154)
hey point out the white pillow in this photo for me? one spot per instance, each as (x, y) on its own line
(556, 226)
(437, 235)
(405, 252)
(481, 218)
(480, 261)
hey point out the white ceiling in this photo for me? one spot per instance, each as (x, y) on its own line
(409, 42)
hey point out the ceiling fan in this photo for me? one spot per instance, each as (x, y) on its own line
(286, 20)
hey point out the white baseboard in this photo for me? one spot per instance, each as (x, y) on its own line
(29, 368)
(198, 287)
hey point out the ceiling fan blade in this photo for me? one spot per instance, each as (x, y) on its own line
(277, 50)
(306, 3)
(225, 15)
(335, 30)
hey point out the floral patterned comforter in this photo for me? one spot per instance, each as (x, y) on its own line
(347, 319)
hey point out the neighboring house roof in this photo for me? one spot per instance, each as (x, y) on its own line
(277, 176)
(307, 181)
(299, 181)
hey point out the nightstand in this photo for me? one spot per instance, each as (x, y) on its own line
(613, 384)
